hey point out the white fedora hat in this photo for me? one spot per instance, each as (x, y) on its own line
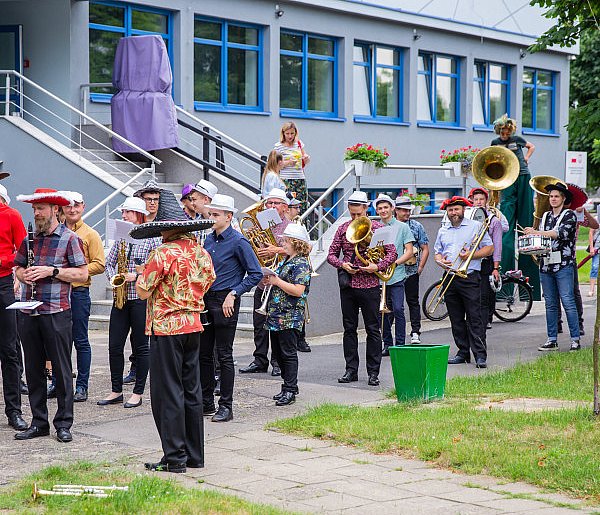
(358, 197)
(207, 188)
(382, 197)
(134, 204)
(4, 194)
(279, 194)
(223, 203)
(297, 231)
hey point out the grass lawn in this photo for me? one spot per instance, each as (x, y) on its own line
(147, 494)
(555, 449)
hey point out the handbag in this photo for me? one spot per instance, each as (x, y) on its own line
(343, 279)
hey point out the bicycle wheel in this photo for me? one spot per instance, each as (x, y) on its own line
(514, 300)
(440, 312)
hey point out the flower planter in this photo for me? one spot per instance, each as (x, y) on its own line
(456, 169)
(417, 210)
(361, 167)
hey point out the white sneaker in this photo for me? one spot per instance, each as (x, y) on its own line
(575, 345)
(414, 338)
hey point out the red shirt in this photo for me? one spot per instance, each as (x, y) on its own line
(12, 233)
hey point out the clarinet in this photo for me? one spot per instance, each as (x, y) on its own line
(30, 255)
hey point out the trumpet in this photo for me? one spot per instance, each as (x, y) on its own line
(262, 310)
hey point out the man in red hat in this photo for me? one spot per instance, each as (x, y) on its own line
(46, 332)
(452, 247)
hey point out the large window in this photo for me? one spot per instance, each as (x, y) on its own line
(227, 65)
(307, 75)
(111, 21)
(538, 100)
(377, 82)
(438, 89)
(491, 88)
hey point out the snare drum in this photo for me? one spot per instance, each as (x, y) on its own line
(534, 244)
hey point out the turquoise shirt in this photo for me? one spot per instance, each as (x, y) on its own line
(403, 236)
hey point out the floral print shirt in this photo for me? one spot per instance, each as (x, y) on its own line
(285, 311)
(179, 272)
(565, 244)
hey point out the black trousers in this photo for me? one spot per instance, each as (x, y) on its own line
(365, 300)
(218, 334)
(48, 337)
(463, 300)
(176, 397)
(131, 317)
(285, 349)
(261, 335)
(9, 359)
(411, 293)
(487, 295)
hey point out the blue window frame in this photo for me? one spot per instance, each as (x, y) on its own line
(307, 75)
(111, 21)
(227, 65)
(491, 92)
(539, 100)
(378, 84)
(438, 89)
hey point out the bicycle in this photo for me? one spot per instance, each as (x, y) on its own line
(513, 301)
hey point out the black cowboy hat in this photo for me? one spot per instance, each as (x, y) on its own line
(563, 189)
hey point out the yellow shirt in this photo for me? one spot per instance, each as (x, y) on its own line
(93, 250)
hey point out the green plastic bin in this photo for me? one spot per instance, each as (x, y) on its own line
(419, 371)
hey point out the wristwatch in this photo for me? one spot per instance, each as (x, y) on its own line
(55, 272)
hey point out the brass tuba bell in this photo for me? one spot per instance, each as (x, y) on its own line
(495, 168)
(542, 203)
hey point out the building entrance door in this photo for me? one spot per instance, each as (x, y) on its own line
(11, 58)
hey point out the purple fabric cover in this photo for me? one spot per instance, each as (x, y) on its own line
(143, 110)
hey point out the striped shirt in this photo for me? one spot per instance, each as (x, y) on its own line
(294, 152)
(60, 249)
(133, 251)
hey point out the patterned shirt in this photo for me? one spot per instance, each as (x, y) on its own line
(285, 311)
(420, 239)
(566, 240)
(133, 251)
(340, 244)
(61, 249)
(179, 272)
(294, 152)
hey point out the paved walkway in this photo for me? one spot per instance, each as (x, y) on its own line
(302, 475)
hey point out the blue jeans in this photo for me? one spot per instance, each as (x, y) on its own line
(395, 301)
(594, 270)
(555, 285)
(80, 312)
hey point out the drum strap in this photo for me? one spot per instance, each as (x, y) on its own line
(558, 221)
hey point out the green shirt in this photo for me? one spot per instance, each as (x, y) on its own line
(403, 236)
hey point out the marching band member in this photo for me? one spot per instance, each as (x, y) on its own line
(463, 295)
(404, 209)
(238, 271)
(186, 201)
(384, 206)
(286, 308)
(556, 269)
(490, 266)
(12, 233)
(200, 196)
(46, 332)
(150, 193)
(277, 199)
(174, 281)
(132, 315)
(360, 291)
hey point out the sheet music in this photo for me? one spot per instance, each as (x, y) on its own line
(119, 229)
(266, 216)
(267, 271)
(384, 235)
(28, 304)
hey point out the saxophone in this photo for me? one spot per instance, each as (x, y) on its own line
(118, 281)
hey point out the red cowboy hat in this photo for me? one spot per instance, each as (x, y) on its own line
(579, 196)
(46, 196)
(455, 201)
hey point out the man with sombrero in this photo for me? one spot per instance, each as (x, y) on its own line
(46, 332)
(452, 248)
(556, 269)
(174, 281)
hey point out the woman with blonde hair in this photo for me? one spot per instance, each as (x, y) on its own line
(271, 178)
(295, 159)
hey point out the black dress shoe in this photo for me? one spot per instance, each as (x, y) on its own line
(276, 372)
(373, 380)
(385, 351)
(304, 347)
(348, 377)
(278, 396)
(15, 420)
(80, 395)
(194, 464)
(209, 410)
(133, 404)
(285, 399)
(23, 388)
(458, 360)
(32, 432)
(106, 402)
(480, 363)
(64, 435)
(222, 415)
(162, 466)
(253, 368)
(51, 393)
